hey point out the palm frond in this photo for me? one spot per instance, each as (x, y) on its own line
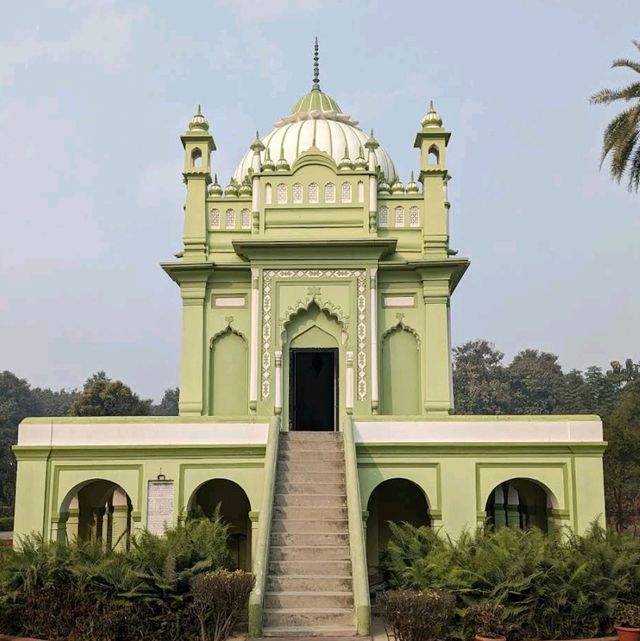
(625, 62)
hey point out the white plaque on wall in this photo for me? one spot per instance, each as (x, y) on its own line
(159, 506)
(399, 301)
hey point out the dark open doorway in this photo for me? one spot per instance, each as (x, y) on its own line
(313, 389)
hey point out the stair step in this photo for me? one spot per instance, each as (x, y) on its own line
(309, 512)
(305, 583)
(327, 632)
(309, 538)
(310, 599)
(310, 568)
(339, 526)
(311, 436)
(286, 487)
(311, 456)
(309, 553)
(308, 616)
(328, 475)
(310, 500)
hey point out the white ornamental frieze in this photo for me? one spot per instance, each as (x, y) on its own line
(267, 317)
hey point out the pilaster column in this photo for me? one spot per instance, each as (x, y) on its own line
(278, 382)
(98, 524)
(120, 527)
(254, 517)
(375, 374)
(192, 353)
(253, 363)
(59, 527)
(349, 383)
(437, 387)
(71, 525)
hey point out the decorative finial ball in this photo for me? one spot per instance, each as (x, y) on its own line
(432, 119)
(198, 122)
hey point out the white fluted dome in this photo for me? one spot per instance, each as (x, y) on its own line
(316, 119)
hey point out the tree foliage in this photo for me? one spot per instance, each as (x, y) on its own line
(102, 396)
(620, 141)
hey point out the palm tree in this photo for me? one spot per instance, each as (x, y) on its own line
(621, 137)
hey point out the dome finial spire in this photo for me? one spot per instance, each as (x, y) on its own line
(316, 68)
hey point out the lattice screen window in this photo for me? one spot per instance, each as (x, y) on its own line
(346, 193)
(281, 194)
(414, 217)
(230, 219)
(245, 219)
(399, 216)
(329, 193)
(297, 194)
(313, 193)
(214, 219)
(383, 216)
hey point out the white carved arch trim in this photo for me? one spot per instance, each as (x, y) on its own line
(223, 332)
(335, 312)
(400, 326)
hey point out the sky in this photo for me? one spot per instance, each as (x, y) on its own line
(95, 94)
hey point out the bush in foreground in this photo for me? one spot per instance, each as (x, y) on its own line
(417, 615)
(80, 592)
(556, 586)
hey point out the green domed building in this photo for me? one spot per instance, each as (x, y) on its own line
(315, 383)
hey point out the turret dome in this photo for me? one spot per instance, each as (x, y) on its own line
(316, 120)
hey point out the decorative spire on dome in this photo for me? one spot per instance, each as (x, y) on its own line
(412, 185)
(432, 119)
(198, 122)
(267, 164)
(316, 68)
(257, 144)
(215, 189)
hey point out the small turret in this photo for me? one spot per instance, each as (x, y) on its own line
(215, 189)
(360, 162)
(412, 186)
(397, 187)
(432, 142)
(268, 165)
(198, 145)
(346, 163)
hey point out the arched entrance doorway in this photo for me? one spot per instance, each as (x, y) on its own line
(397, 500)
(98, 511)
(233, 505)
(520, 503)
(313, 370)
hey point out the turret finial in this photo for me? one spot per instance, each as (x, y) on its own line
(316, 68)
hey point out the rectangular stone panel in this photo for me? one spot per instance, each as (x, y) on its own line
(159, 506)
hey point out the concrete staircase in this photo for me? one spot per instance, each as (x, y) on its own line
(309, 586)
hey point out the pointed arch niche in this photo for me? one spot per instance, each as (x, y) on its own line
(312, 328)
(228, 374)
(401, 371)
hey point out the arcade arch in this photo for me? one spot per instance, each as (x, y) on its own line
(400, 501)
(234, 507)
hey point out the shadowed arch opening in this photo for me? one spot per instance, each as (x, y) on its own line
(400, 501)
(434, 155)
(521, 503)
(196, 158)
(96, 511)
(234, 507)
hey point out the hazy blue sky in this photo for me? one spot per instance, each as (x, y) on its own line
(94, 96)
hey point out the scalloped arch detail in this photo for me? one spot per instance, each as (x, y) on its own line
(400, 326)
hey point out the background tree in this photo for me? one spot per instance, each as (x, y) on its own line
(621, 142)
(102, 396)
(622, 457)
(480, 384)
(536, 383)
(168, 406)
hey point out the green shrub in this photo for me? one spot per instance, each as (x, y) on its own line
(6, 523)
(627, 615)
(81, 592)
(416, 615)
(551, 586)
(219, 599)
(488, 618)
